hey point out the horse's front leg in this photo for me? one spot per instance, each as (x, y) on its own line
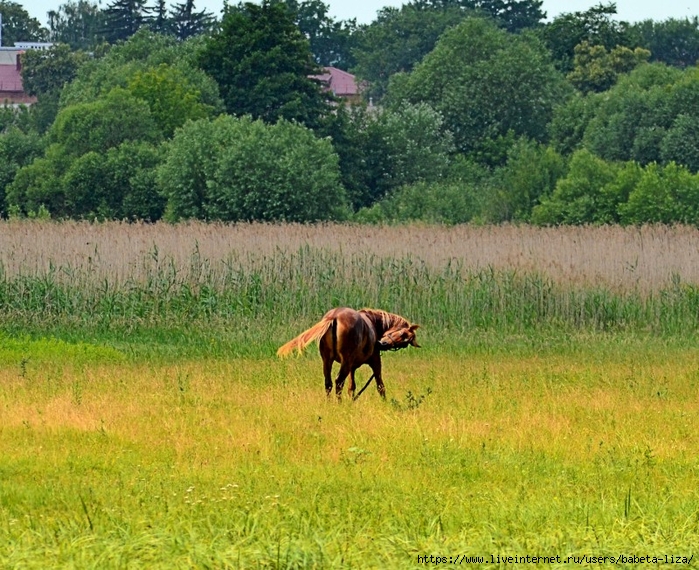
(375, 364)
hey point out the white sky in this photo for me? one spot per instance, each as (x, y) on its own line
(365, 10)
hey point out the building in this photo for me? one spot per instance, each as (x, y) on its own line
(340, 83)
(11, 88)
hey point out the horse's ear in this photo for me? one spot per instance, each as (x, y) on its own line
(414, 327)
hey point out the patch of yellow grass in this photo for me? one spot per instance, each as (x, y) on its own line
(278, 410)
(229, 459)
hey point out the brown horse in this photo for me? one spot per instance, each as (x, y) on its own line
(354, 338)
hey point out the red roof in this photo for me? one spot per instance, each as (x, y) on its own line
(10, 79)
(340, 82)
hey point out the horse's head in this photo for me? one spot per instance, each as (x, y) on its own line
(399, 338)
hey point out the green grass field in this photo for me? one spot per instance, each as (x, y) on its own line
(147, 423)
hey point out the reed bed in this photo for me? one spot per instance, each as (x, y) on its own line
(624, 258)
(273, 278)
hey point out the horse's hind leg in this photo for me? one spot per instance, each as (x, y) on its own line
(327, 373)
(340, 380)
(352, 385)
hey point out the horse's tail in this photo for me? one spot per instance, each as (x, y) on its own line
(307, 337)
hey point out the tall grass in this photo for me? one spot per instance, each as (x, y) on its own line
(628, 258)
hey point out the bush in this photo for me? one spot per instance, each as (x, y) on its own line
(234, 169)
(664, 194)
(17, 149)
(381, 151)
(441, 202)
(531, 174)
(587, 194)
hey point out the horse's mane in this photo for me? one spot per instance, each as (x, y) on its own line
(387, 320)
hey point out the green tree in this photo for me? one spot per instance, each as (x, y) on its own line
(159, 68)
(591, 192)
(397, 40)
(123, 18)
(44, 74)
(681, 143)
(38, 184)
(157, 19)
(595, 26)
(187, 22)
(19, 26)
(17, 149)
(171, 97)
(570, 121)
(512, 15)
(262, 64)
(118, 184)
(103, 124)
(79, 24)
(596, 69)
(486, 83)
(673, 41)
(664, 194)
(331, 41)
(72, 178)
(234, 169)
(530, 175)
(634, 118)
(382, 150)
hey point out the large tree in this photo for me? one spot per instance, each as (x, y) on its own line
(595, 26)
(513, 15)
(597, 69)
(18, 25)
(648, 116)
(47, 71)
(486, 83)
(331, 41)
(187, 21)
(262, 64)
(123, 18)
(143, 56)
(97, 150)
(398, 39)
(673, 41)
(44, 74)
(234, 169)
(79, 24)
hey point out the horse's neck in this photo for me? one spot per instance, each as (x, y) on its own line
(384, 321)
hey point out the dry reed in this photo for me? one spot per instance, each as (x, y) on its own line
(642, 259)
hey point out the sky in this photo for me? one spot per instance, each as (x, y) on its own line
(365, 10)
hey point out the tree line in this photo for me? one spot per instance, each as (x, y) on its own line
(473, 111)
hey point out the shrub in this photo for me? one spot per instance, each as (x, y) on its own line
(664, 194)
(234, 169)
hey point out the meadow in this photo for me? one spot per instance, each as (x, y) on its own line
(145, 420)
